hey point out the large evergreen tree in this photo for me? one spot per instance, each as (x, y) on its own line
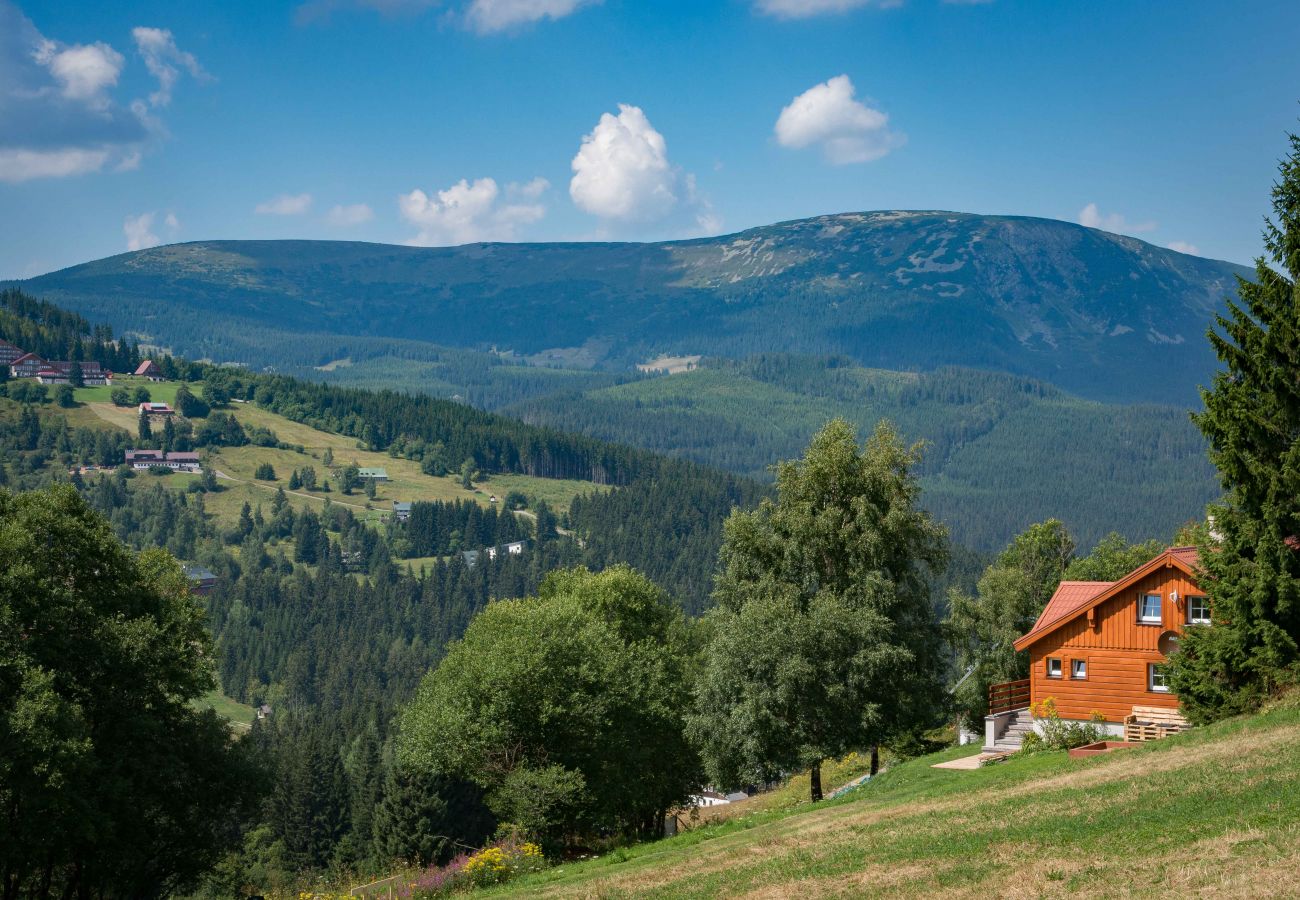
(1252, 420)
(824, 639)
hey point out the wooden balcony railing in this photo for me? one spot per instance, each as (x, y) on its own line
(1008, 695)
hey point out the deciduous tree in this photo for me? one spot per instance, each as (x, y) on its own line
(823, 636)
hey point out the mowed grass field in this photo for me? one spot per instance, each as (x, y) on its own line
(1213, 812)
(406, 482)
(239, 715)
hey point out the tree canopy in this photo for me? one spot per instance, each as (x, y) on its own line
(1252, 421)
(110, 783)
(823, 637)
(567, 708)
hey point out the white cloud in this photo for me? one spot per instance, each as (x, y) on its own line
(498, 15)
(622, 170)
(139, 235)
(848, 130)
(803, 9)
(1184, 247)
(172, 222)
(530, 189)
(1092, 217)
(284, 205)
(465, 213)
(350, 215)
(57, 105)
(161, 57)
(22, 165)
(85, 71)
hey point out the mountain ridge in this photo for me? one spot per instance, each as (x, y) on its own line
(1106, 316)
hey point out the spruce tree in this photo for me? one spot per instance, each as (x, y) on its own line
(1252, 420)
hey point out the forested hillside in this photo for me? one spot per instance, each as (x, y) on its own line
(1001, 451)
(327, 610)
(1102, 315)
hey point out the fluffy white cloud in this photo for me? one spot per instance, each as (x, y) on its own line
(172, 222)
(57, 102)
(530, 190)
(162, 56)
(498, 15)
(466, 213)
(1092, 217)
(84, 71)
(1184, 247)
(847, 130)
(803, 9)
(284, 205)
(138, 231)
(350, 215)
(622, 170)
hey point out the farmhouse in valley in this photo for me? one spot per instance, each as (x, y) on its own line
(29, 365)
(148, 369)
(176, 461)
(156, 409)
(401, 510)
(202, 580)
(1101, 647)
(372, 474)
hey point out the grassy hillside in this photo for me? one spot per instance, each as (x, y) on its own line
(1002, 451)
(1213, 812)
(236, 465)
(1103, 315)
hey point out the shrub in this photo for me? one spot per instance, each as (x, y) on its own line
(265, 472)
(1057, 734)
(499, 862)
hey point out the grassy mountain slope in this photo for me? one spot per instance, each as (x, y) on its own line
(1002, 451)
(1104, 315)
(1212, 811)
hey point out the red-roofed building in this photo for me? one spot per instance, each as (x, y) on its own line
(147, 369)
(1101, 647)
(10, 353)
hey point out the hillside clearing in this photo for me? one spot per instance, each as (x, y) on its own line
(1216, 810)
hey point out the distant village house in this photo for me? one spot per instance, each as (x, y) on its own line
(401, 510)
(373, 474)
(29, 365)
(202, 580)
(176, 461)
(148, 369)
(156, 409)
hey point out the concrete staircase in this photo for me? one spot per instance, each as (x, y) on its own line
(1018, 726)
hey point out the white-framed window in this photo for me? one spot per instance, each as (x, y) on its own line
(1156, 679)
(1198, 610)
(1149, 609)
(1078, 668)
(1053, 667)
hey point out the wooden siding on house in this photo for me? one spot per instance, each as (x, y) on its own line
(1117, 649)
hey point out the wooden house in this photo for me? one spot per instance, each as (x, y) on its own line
(148, 369)
(1100, 647)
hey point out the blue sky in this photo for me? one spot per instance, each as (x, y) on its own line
(443, 121)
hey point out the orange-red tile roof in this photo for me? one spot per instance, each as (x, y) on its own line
(1187, 555)
(1071, 595)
